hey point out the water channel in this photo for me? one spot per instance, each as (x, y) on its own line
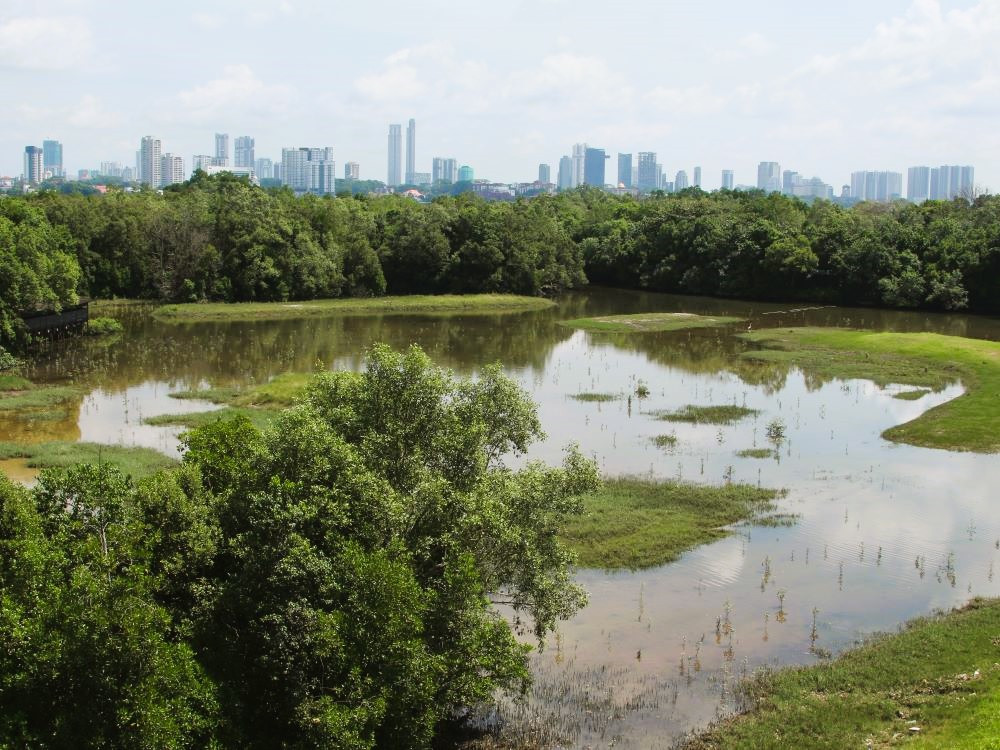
(883, 533)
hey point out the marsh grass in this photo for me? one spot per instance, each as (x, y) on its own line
(914, 395)
(636, 523)
(719, 414)
(13, 383)
(595, 397)
(649, 322)
(665, 441)
(132, 460)
(102, 326)
(28, 402)
(259, 416)
(756, 453)
(939, 674)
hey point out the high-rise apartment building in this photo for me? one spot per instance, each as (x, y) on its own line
(564, 180)
(727, 179)
(149, 161)
(33, 165)
(411, 152)
(876, 186)
(222, 149)
(244, 152)
(951, 181)
(544, 174)
(918, 184)
(443, 170)
(579, 158)
(648, 177)
(308, 170)
(264, 169)
(769, 176)
(681, 181)
(52, 158)
(697, 177)
(394, 178)
(171, 170)
(625, 170)
(593, 166)
(111, 169)
(352, 171)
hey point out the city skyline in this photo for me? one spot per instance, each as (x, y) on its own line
(578, 84)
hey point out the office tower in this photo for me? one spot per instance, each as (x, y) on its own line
(411, 151)
(171, 170)
(625, 170)
(128, 174)
(727, 179)
(918, 183)
(437, 169)
(323, 174)
(648, 179)
(352, 171)
(579, 158)
(222, 148)
(33, 165)
(544, 174)
(308, 170)
(243, 156)
(697, 177)
(465, 174)
(769, 176)
(52, 158)
(565, 176)
(593, 166)
(681, 181)
(395, 175)
(149, 161)
(264, 169)
(788, 180)
(111, 169)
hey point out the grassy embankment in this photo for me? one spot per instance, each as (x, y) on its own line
(940, 675)
(132, 460)
(464, 304)
(967, 423)
(635, 523)
(24, 401)
(649, 322)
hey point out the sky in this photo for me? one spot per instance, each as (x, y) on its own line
(824, 89)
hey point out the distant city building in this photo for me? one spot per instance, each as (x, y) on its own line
(544, 174)
(111, 169)
(420, 178)
(52, 158)
(149, 161)
(625, 170)
(171, 170)
(411, 152)
(648, 178)
(593, 167)
(727, 179)
(952, 181)
(128, 174)
(697, 177)
(579, 157)
(769, 176)
(814, 187)
(788, 179)
(681, 181)
(352, 171)
(264, 169)
(308, 170)
(243, 155)
(444, 170)
(247, 172)
(564, 180)
(877, 186)
(222, 148)
(33, 165)
(395, 160)
(918, 184)
(466, 174)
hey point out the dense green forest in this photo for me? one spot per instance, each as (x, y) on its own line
(219, 238)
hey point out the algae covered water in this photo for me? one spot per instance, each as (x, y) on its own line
(874, 533)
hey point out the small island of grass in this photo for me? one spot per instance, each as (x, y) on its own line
(137, 461)
(599, 398)
(462, 304)
(649, 322)
(717, 414)
(756, 453)
(914, 395)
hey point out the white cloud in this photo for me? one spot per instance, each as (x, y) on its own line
(692, 100)
(748, 46)
(207, 20)
(45, 43)
(238, 91)
(89, 113)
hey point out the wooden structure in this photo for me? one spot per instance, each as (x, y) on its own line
(50, 324)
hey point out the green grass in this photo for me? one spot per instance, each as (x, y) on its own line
(875, 691)
(914, 395)
(665, 441)
(14, 383)
(261, 417)
(135, 461)
(595, 397)
(259, 403)
(635, 523)
(102, 327)
(967, 423)
(649, 322)
(721, 414)
(33, 398)
(756, 453)
(223, 395)
(465, 304)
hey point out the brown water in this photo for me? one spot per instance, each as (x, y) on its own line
(885, 532)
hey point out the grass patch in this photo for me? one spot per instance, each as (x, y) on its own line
(914, 395)
(260, 417)
(665, 441)
(721, 414)
(465, 304)
(599, 398)
(931, 360)
(14, 383)
(102, 327)
(756, 453)
(32, 398)
(924, 676)
(649, 322)
(138, 462)
(223, 395)
(280, 392)
(635, 523)
(775, 520)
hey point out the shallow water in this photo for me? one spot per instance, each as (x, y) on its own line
(884, 532)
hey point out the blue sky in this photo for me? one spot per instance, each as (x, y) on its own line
(824, 89)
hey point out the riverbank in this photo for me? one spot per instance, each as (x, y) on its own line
(137, 461)
(967, 423)
(936, 684)
(465, 304)
(649, 322)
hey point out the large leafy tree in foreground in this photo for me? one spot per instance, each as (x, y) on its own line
(331, 582)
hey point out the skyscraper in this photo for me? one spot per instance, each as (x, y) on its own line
(727, 179)
(544, 174)
(33, 165)
(876, 186)
(681, 181)
(564, 180)
(648, 176)
(593, 167)
(149, 161)
(788, 180)
(769, 176)
(697, 177)
(411, 151)
(264, 169)
(918, 184)
(308, 170)
(352, 170)
(395, 175)
(625, 170)
(466, 174)
(579, 156)
(171, 170)
(244, 156)
(952, 181)
(222, 148)
(52, 158)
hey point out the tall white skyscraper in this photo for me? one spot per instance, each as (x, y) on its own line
(149, 161)
(411, 151)
(727, 179)
(681, 181)
(444, 170)
(308, 170)
(544, 174)
(579, 164)
(171, 170)
(769, 176)
(352, 171)
(395, 172)
(918, 184)
(33, 165)
(52, 158)
(565, 176)
(952, 181)
(264, 169)
(647, 178)
(222, 149)
(244, 152)
(697, 177)
(877, 186)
